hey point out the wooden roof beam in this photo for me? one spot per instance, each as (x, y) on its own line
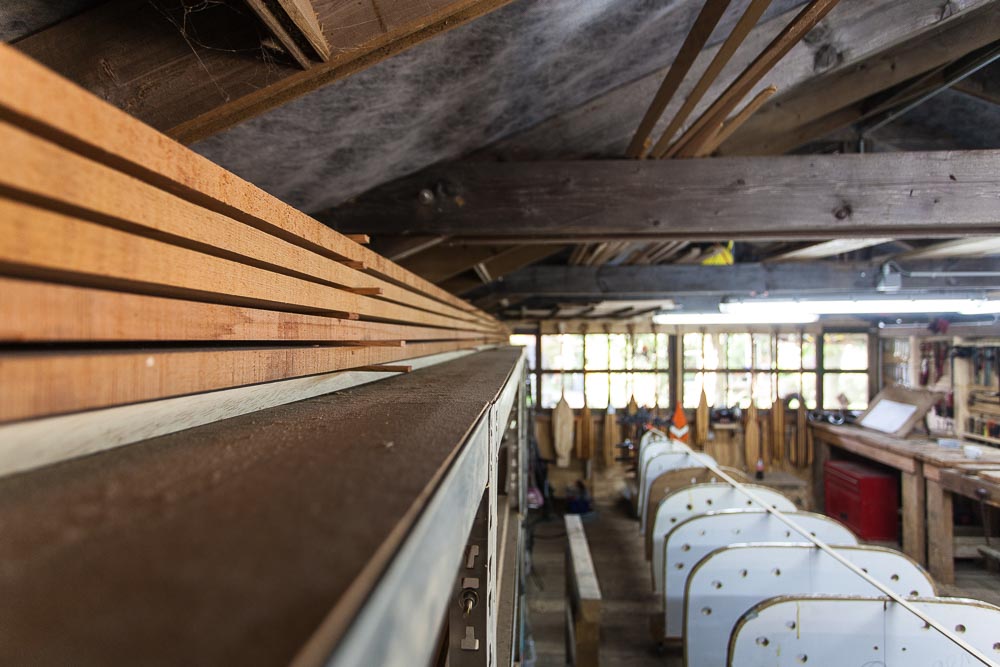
(796, 197)
(138, 56)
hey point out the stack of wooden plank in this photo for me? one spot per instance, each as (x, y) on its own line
(132, 269)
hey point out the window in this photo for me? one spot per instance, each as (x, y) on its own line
(605, 369)
(845, 371)
(528, 342)
(732, 367)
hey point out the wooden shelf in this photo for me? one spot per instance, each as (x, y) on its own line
(981, 438)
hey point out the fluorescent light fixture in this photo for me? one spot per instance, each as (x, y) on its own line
(781, 308)
(735, 318)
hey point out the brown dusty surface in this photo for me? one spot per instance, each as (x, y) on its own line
(228, 543)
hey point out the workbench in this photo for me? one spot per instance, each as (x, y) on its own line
(920, 462)
(942, 485)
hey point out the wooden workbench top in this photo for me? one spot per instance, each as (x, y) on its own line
(921, 449)
(229, 544)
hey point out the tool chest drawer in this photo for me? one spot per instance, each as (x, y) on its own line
(863, 497)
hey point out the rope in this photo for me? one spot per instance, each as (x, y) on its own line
(823, 546)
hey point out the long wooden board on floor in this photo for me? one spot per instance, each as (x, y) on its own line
(101, 132)
(34, 384)
(36, 243)
(33, 311)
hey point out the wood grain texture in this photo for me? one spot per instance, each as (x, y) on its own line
(209, 90)
(717, 112)
(787, 197)
(706, 22)
(36, 243)
(34, 384)
(831, 101)
(270, 521)
(604, 125)
(562, 432)
(33, 311)
(711, 142)
(99, 131)
(45, 441)
(53, 177)
(751, 15)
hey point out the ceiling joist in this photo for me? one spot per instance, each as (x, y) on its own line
(145, 57)
(900, 195)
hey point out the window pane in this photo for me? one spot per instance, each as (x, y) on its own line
(597, 353)
(644, 354)
(663, 351)
(788, 384)
(619, 351)
(528, 342)
(845, 351)
(762, 390)
(692, 352)
(562, 352)
(762, 351)
(738, 390)
(552, 389)
(789, 352)
(847, 390)
(621, 390)
(809, 351)
(809, 386)
(644, 386)
(738, 351)
(692, 389)
(663, 390)
(714, 346)
(597, 388)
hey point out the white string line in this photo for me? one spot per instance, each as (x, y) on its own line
(895, 597)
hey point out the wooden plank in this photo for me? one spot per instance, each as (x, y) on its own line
(36, 384)
(209, 90)
(277, 24)
(503, 264)
(442, 262)
(40, 442)
(603, 126)
(101, 132)
(940, 535)
(827, 249)
(32, 311)
(711, 142)
(583, 597)
(257, 510)
(36, 243)
(784, 198)
(916, 514)
(50, 176)
(679, 280)
(976, 246)
(751, 15)
(294, 24)
(830, 101)
(717, 112)
(709, 17)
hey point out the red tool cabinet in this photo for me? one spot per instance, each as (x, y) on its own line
(864, 498)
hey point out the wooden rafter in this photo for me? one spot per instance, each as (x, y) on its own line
(838, 98)
(138, 57)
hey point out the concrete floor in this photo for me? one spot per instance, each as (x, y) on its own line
(628, 600)
(616, 547)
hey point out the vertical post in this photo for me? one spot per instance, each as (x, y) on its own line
(940, 536)
(914, 525)
(468, 618)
